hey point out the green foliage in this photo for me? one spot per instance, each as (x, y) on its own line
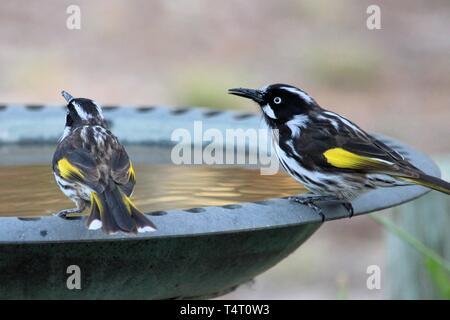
(342, 283)
(439, 276)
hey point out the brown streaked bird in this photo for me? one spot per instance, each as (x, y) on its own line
(330, 155)
(93, 169)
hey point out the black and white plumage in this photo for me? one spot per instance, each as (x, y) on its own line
(331, 156)
(92, 168)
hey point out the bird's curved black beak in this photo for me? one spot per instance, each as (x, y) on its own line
(255, 95)
(67, 96)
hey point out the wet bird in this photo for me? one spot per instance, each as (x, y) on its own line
(93, 169)
(330, 155)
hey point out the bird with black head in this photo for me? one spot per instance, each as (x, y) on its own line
(92, 168)
(330, 155)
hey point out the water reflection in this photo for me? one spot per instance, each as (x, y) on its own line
(31, 190)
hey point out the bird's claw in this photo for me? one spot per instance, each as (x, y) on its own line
(68, 214)
(349, 207)
(61, 214)
(310, 203)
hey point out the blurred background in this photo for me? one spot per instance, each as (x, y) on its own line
(188, 53)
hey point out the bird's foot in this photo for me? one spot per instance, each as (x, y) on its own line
(311, 199)
(310, 202)
(69, 214)
(349, 207)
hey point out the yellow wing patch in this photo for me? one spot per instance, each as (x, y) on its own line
(128, 203)
(341, 158)
(131, 173)
(68, 170)
(95, 199)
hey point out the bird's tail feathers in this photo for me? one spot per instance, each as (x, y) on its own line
(430, 182)
(143, 224)
(113, 211)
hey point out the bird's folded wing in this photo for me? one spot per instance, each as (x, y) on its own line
(123, 172)
(393, 153)
(77, 166)
(367, 157)
(341, 158)
(349, 148)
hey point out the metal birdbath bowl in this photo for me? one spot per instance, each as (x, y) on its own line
(198, 252)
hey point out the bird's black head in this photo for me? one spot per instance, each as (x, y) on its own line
(81, 111)
(279, 102)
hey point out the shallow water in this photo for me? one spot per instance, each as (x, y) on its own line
(32, 191)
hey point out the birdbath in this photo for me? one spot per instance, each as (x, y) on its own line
(204, 251)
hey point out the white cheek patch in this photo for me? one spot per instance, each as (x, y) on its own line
(267, 109)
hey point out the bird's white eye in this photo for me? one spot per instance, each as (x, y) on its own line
(277, 100)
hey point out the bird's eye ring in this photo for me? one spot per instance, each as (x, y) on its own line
(277, 100)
